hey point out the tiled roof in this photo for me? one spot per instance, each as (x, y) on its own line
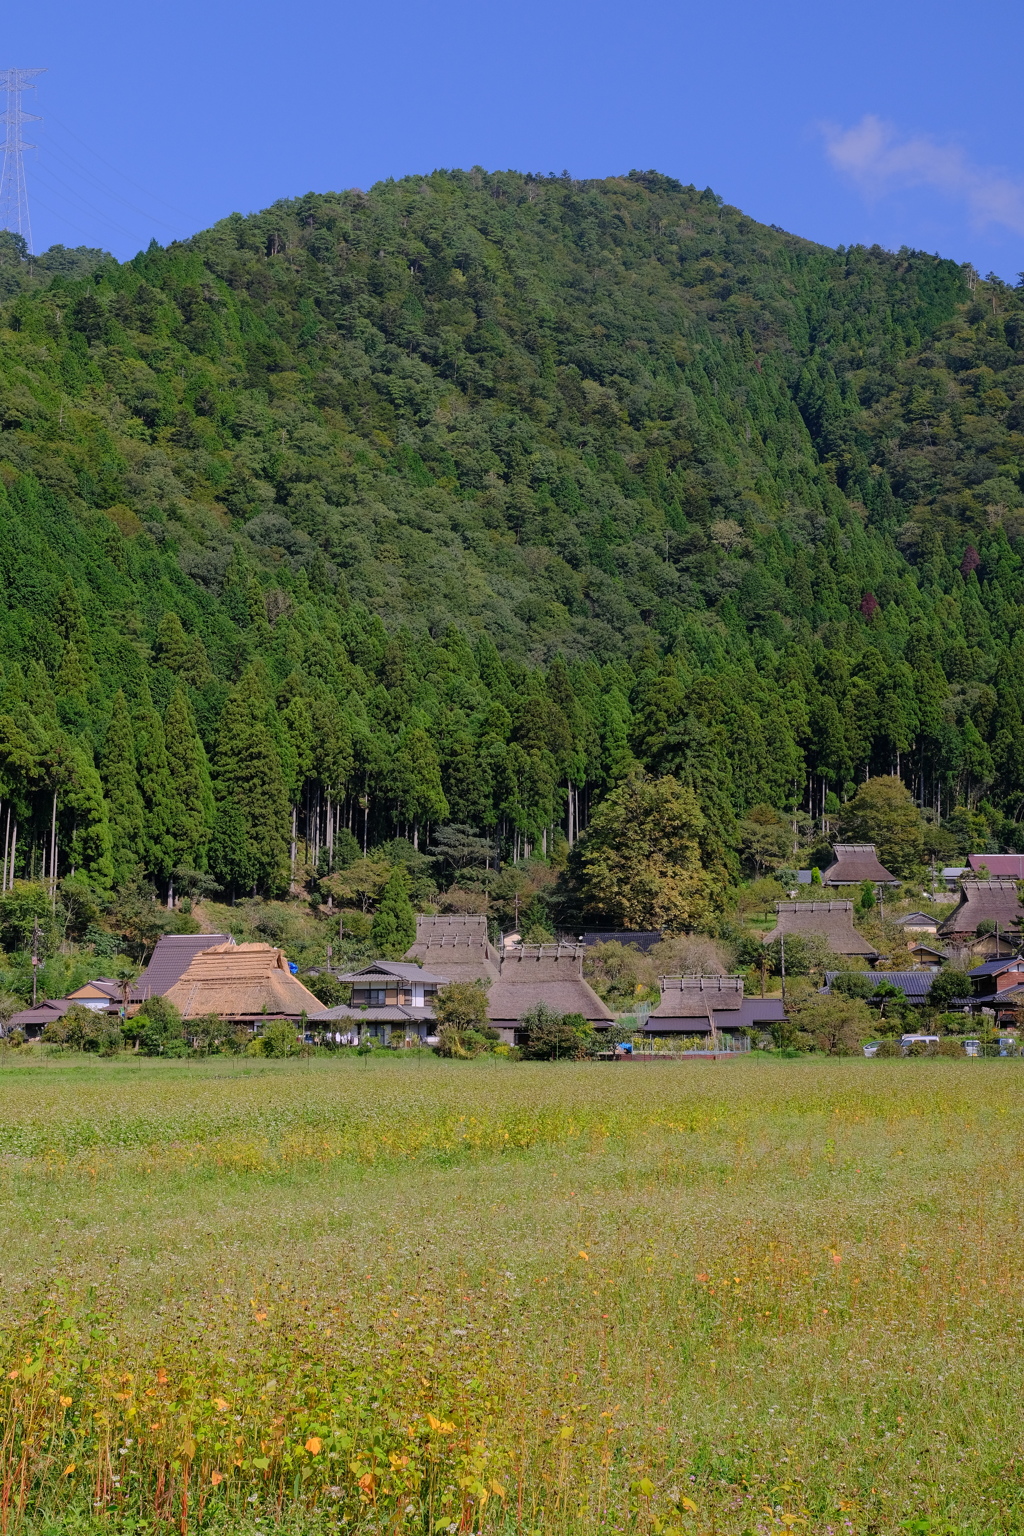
(1008, 866)
(170, 960)
(392, 970)
(641, 940)
(914, 985)
(389, 1013)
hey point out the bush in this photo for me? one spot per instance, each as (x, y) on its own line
(279, 1038)
(837, 1025)
(557, 1037)
(157, 1028)
(946, 985)
(950, 1048)
(854, 984)
(889, 1048)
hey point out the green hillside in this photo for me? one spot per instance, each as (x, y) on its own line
(444, 502)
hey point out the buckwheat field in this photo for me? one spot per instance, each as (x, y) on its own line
(410, 1295)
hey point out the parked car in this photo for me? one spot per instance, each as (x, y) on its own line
(871, 1047)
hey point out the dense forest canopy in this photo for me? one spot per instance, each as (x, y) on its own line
(448, 502)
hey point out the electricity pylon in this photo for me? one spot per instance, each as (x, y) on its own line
(13, 194)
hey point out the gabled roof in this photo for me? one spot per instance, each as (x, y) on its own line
(41, 1014)
(241, 981)
(998, 967)
(170, 960)
(392, 970)
(854, 863)
(996, 901)
(456, 947)
(920, 920)
(832, 920)
(752, 1013)
(104, 986)
(1001, 866)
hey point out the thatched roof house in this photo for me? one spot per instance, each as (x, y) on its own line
(830, 920)
(995, 901)
(542, 973)
(170, 960)
(853, 864)
(455, 947)
(243, 982)
(697, 1005)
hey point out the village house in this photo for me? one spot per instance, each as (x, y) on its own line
(170, 960)
(829, 920)
(710, 1006)
(853, 863)
(993, 903)
(245, 984)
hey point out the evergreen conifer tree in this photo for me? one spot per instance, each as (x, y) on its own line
(248, 776)
(192, 803)
(126, 811)
(394, 924)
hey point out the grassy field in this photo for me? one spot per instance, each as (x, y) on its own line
(383, 1295)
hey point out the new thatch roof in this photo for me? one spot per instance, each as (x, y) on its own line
(170, 960)
(241, 981)
(544, 973)
(994, 900)
(832, 920)
(455, 947)
(854, 863)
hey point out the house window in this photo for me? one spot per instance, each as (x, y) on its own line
(368, 997)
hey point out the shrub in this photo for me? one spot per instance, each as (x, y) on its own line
(557, 1037)
(854, 984)
(279, 1038)
(837, 1025)
(157, 1028)
(949, 1048)
(889, 1048)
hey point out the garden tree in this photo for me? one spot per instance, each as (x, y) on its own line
(460, 1009)
(248, 778)
(948, 986)
(157, 1029)
(766, 838)
(125, 807)
(278, 1038)
(838, 1026)
(647, 860)
(191, 802)
(883, 812)
(552, 1036)
(394, 922)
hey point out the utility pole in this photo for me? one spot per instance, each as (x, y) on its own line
(35, 958)
(13, 193)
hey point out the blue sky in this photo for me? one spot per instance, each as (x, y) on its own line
(893, 122)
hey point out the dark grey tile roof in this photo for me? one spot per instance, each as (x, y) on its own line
(395, 970)
(642, 940)
(172, 957)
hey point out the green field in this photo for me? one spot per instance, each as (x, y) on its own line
(410, 1295)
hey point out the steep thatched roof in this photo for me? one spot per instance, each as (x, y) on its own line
(544, 973)
(241, 981)
(994, 900)
(456, 947)
(855, 863)
(831, 920)
(684, 997)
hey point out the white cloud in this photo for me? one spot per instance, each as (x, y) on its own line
(873, 154)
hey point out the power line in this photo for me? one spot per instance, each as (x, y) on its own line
(13, 193)
(116, 170)
(76, 165)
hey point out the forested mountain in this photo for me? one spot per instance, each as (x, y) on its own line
(445, 501)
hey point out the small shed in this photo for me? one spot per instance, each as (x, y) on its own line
(830, 920)
(853, 864)
(918, 922)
